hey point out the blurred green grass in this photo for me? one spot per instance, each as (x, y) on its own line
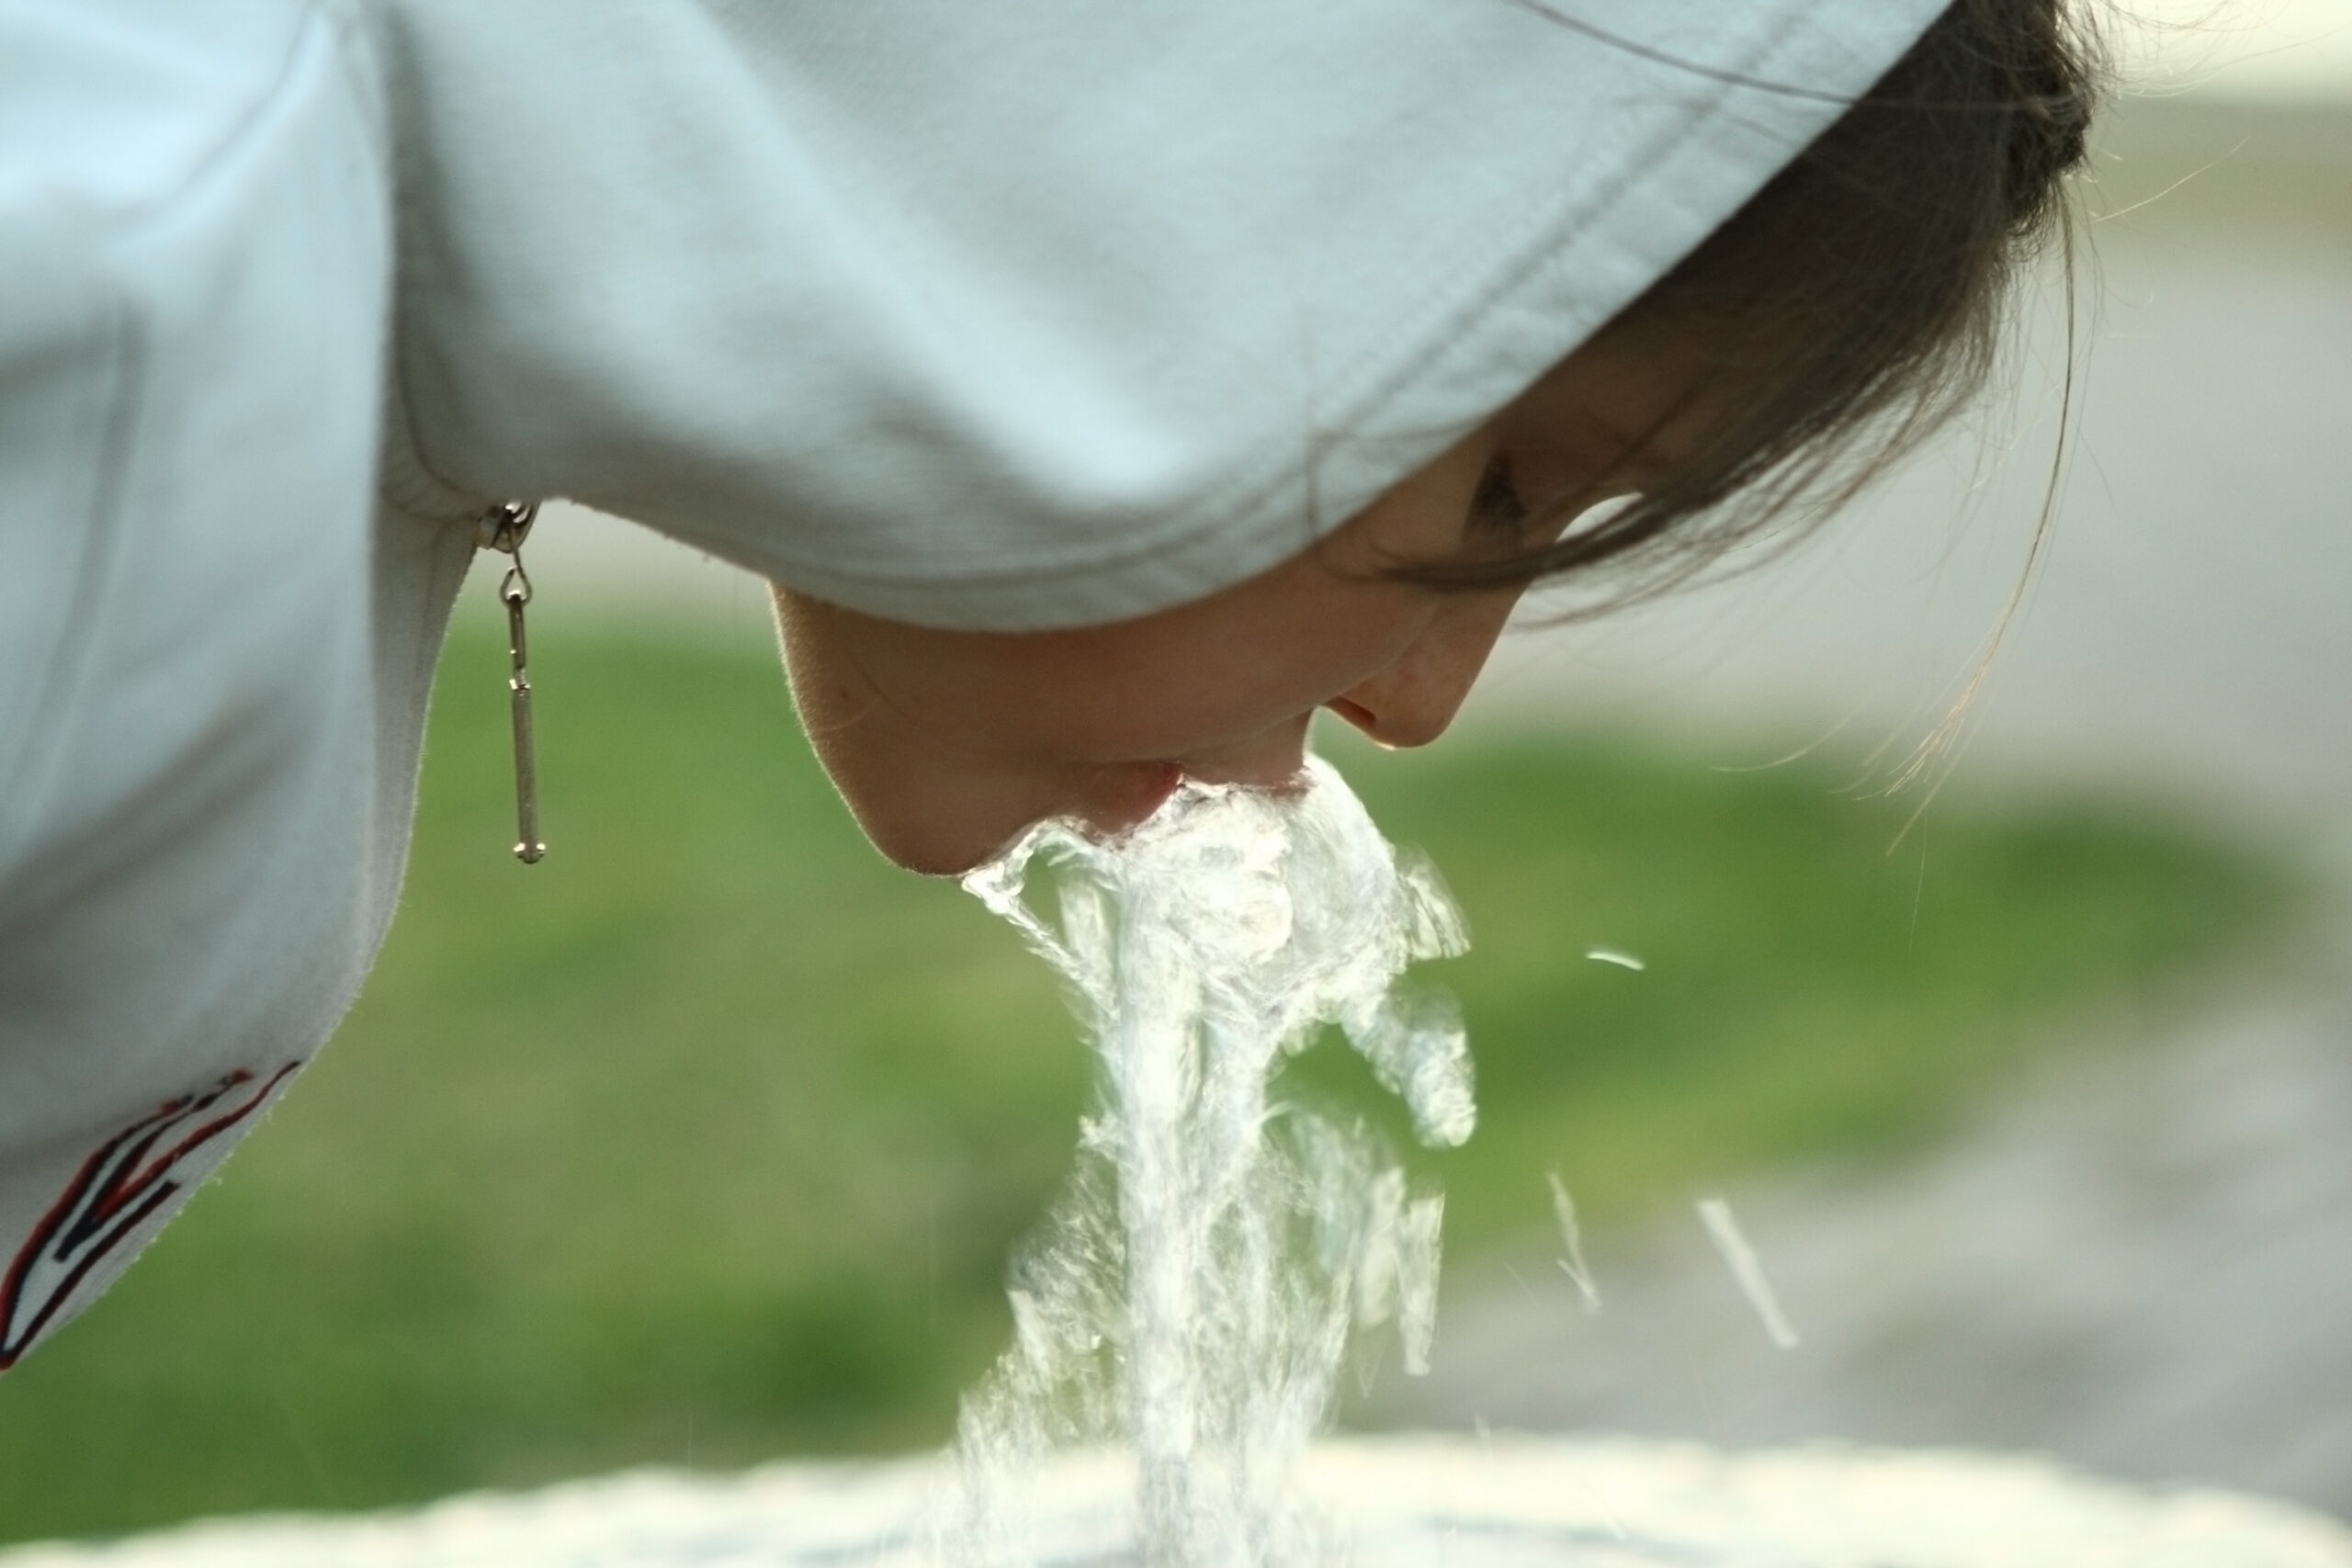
(707, 1139)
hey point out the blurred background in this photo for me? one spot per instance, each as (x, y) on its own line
(705, 1141)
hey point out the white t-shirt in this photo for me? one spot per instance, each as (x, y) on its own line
(1040, 313)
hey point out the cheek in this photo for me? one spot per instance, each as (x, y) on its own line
(1201, 684)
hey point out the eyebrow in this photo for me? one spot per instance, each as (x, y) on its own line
(1636, 462)
(1654, 459)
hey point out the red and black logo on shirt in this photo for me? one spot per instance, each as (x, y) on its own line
(133, 1178)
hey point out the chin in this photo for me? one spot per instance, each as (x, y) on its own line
(1111, 802)
(933, 855)
(926, 843)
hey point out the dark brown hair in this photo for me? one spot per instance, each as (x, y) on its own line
(1858, 300)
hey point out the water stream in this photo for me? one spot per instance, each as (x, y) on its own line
(1194, 1294)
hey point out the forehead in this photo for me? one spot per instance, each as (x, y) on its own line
(1641, 398)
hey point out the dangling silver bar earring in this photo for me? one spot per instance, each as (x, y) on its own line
(503, 528)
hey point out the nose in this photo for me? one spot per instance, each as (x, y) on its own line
(1412, 700)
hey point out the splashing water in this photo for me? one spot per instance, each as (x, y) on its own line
(1195, 1288)
(1747, 1270)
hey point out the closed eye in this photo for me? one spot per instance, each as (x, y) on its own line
(1496, 504)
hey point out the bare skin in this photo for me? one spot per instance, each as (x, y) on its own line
(947, 744)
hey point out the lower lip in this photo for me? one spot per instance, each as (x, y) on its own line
(1127, 795)
(1160, 780)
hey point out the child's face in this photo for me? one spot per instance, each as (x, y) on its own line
(946, 744)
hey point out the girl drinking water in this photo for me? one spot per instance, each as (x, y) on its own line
(1105, 389)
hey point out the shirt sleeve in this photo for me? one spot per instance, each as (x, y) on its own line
(194, 260)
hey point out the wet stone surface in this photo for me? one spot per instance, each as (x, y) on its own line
(1414, 1504)
(2142, 1262)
